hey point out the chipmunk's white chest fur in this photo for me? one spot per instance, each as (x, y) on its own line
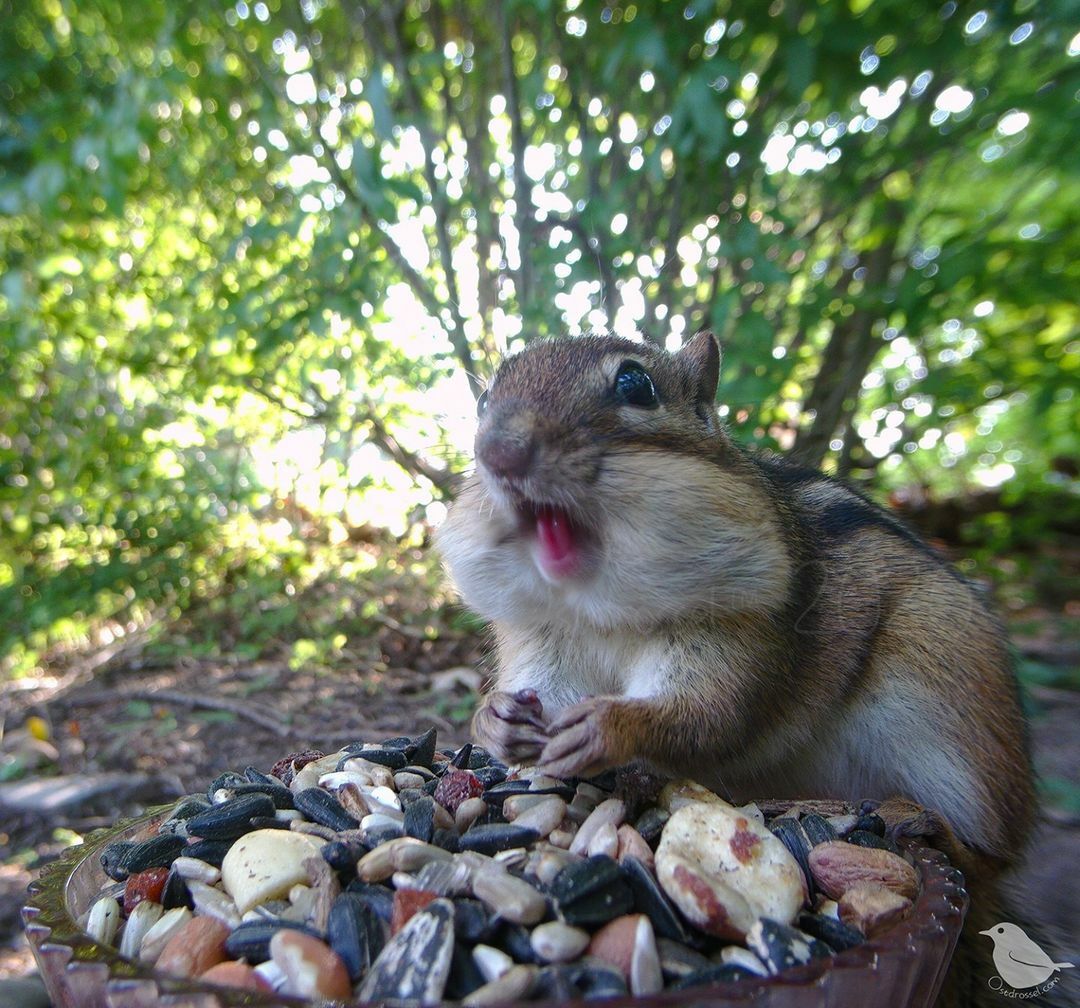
(567, 665)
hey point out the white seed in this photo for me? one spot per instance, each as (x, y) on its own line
(561, 838)
(546, 861)
(605, 841)
(159, 934)
(442, 817)
(339, 778)
(491, 962)
(379, 775)
(513, 985)
(382, 799)
(272, 973)
(541, 782)
(512, 898)
(193, 868)
(632, 844)
(141, 919)
(611, 812)
(308, 776)
(103, 920)
(404, 880)
(401, 854)
(378, 821)
(745, 958)
(517, 805)
(557, 942)
(213, 902)
(646, 976)
(468, 812)
(544, 816)
(843, 824)
(378, 808)
(751, 811)
(403, 779)
(301, 906)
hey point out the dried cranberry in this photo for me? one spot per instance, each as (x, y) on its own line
(455, 786)
(144, 885)
(285, 768)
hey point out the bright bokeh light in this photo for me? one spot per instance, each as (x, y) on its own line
(954, 100)
(882, 104)
(1013, 122)
(300, 89)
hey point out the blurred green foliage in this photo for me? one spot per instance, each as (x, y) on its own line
(227, 225)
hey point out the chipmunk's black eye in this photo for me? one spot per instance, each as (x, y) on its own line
(481, 403)
(634, 387)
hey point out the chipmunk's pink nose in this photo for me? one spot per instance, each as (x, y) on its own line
(506, 453)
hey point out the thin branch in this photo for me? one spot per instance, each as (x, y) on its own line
(410, 461)
(263, 390)
(241, 708)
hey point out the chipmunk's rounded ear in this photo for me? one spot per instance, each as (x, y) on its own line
(702, 356)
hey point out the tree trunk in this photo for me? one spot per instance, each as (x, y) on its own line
(851, 350)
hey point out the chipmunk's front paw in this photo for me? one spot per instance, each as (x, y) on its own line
(583, 740)
(511, 725)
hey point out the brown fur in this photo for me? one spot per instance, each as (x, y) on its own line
(757, 626)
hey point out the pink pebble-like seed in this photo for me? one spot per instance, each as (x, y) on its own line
(195, 947)
(235, 974)
(311, 968)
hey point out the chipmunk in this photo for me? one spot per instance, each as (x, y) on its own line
(657, 592)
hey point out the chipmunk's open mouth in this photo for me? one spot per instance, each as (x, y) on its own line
(560, 542)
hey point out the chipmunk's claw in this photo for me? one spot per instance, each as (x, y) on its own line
(580, 740)
(511, 725)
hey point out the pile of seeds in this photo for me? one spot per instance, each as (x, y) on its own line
(398, 871)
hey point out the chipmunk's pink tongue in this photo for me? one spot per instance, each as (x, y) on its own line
(559, 548)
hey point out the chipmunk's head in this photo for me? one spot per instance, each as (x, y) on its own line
(598, 461)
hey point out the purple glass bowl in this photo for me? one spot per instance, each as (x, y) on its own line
(903, 967)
